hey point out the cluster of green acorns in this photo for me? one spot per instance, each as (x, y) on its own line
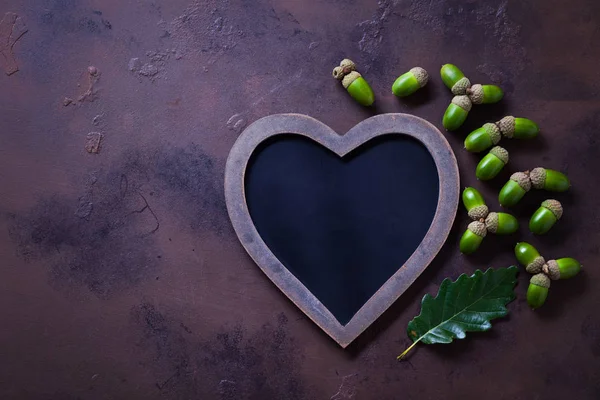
(542, 220)
(488, 136)
(551, 210)
(484, 221)
(538, 178)
(500, 223)
(465, 95)
(543, 272)
(405, 85)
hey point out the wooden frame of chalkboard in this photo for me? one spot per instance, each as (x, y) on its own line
(385, 124)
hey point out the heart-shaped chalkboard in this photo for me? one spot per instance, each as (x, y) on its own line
(343, 225)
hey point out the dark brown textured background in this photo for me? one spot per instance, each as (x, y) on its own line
(121, 276)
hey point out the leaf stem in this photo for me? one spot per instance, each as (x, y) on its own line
(401, 356)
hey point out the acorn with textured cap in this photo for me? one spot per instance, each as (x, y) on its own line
(563, 268)
(456, 113)
(454, 79)
(491, 165)
(545, 217)
(485, 94)
(519, 128)
(472, 238)
(500, 223)
(474, 203)
(483, 138)
(354, 83)
(408, 83)
(514, 190)
(537, 292)
(490, 134)
(548, 179)
(529, 257)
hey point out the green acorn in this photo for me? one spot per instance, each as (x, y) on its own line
(454, 79)
(472, 238)
(514, 190)
(492, 164)
(548, 179)
(474, 203)
(485, 94)
(563, 268)
(410, 82)
(358, 88)
(545, 217)
(528, 256)
(501, 223)
(354, 83)
(483, 138)
(520, 128)
(456, 113)
(537, 292)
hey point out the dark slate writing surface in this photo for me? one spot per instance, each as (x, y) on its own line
(342, 226)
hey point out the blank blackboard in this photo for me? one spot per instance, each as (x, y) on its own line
(342, 226)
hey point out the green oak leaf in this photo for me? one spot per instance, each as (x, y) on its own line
(466, 305)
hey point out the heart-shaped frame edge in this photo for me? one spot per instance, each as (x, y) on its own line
(397, 284)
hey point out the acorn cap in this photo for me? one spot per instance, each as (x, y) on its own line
(478, 228)
(421, 75)
(551, 269)
(463, 102)
(478, 212)
(538, 177)
(493, 131)
(507, 126)
(522, 179)
(540, 280)
(554, 206)
(338, 73)
(535, 267)
(348, 66)
(461, 86)
(491, 222)
(501, 153)
(475, 93)
(351, 77)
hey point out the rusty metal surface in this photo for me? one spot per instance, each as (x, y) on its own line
(121, 276)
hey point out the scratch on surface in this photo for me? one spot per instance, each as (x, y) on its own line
(237, 122)
(12, 28)
(347, 389)
(123, 185)
(147, 207)
(91, 92)
(162, 385)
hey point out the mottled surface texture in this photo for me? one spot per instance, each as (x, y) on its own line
(121, 276)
